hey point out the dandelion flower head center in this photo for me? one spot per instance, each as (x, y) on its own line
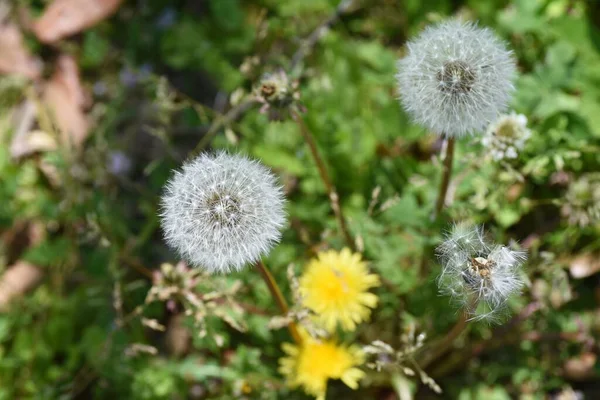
(312, 359)
(223, 209)
(338, 286)
(481, 267)
(456, 78)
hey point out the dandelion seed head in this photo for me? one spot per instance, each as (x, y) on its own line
(506, 136)
(222, 211)
(478, 275)
(455, 78)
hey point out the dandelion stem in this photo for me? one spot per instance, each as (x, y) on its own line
(447, 172)
(278, 296)
(333, 196)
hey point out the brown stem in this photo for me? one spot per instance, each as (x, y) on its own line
(447, 172)
(333, 196)
(278, 296)
(446, 342)
(138, 266)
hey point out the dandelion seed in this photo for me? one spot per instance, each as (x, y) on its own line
(222, 211)
(311, 364)
(336, 287)
(456, 78)
(478, 275)
(506, 136)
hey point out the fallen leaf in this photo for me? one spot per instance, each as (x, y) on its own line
(65, 98)
(63, 18)
(18, 279)
(15, 58)
(580, 367)
(584, 265)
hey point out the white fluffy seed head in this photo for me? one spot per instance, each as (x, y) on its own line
(456, 78)
(222, 211)
(478, 275)
(506, 136)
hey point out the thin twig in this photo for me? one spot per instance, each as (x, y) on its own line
(222, 121)
(331, 192)
(278, 296)
(304, 49)
(447, 172)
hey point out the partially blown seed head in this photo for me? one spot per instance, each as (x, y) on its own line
(222, 211)
(456, 78)
(480, 276)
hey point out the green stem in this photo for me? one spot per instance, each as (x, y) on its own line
(278, 296)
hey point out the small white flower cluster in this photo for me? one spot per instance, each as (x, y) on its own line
(506, 136)
(222, 211)
(456, 78)
(480, 276)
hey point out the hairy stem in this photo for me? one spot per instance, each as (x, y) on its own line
(447, 172)
(279, 299)
(331, 192)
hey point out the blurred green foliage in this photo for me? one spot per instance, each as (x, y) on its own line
(154, 71)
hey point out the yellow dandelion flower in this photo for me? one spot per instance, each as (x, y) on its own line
(315, 361)
(335, 286)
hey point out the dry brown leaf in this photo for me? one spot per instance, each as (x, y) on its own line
(65, 98)
(18, 279)
(584, 265)
(15, 58)
(63, 18)
(580, 367)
